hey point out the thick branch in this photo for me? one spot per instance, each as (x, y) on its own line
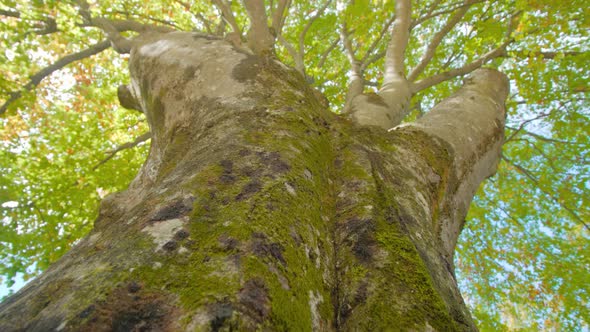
(400, 35)
(390, 106)
(127, 99)
(436, 40)
(355, 85)
(59, 64)
(394, 93)
(260, 39)
(121, 44)
(113, 28)
(471, 125)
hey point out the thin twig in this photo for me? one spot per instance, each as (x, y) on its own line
(279, 15)
(543, 138)
(227, 15)
(375, 42)
(535, 181)
(327, 52)
(310, 22)
(430, 15)
(147, 17)
(469, 67)
(128, 145)
(549, 55)
(437, 39)
(524, 123)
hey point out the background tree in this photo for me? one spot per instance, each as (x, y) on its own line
(526, 226)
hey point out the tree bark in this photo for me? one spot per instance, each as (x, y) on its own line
(257, 208)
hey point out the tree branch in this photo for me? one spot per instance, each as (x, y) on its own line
(466, 69)
(524, 123)
(310, 22)
(375, 42)
(279, 15)
(112, 28)
(555, 199)
(299, 54)
(120, 44)
(59, 64)
(356, 82)
(374, 59)
(207, 24)
(128, 145)
(327, 52)
(260, 40)
(10, 13)
(549, 55)
(432, 7)
(228, 15)
(469, 67)
(49, 24)
(432, 14)
(437, 39)
(400, 35)
(395, 90)
(543, 138)
(297, 58)
(146, 17)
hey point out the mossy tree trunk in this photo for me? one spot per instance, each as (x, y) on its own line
(259, 209)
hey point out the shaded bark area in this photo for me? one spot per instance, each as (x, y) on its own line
(259, 209)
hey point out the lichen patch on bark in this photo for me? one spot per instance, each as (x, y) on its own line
(163, 232)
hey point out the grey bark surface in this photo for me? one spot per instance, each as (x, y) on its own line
(258, 209)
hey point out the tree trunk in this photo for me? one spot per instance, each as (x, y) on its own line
(257, 208)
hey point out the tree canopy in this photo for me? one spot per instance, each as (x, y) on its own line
(522, 260)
